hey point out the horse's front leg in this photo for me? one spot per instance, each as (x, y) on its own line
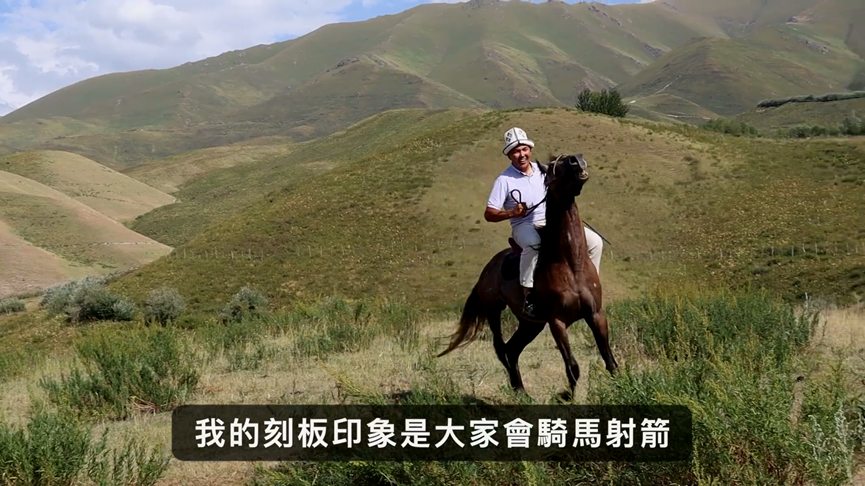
(560, 333)
(597, 322)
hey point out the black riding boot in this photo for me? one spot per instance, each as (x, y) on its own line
(529, 308)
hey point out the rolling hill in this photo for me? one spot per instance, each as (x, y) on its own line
(433, 56)
(107, 191)
(403, 221)
(215, 194)
(48, 236)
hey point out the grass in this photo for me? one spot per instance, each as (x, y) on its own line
(732, 357)
(746, 401)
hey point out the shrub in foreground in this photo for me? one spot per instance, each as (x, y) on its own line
(246, 303)
(733, 360)
(163, 306)
(124, 371)
(85, 300)
(11, 305)
(56, 450)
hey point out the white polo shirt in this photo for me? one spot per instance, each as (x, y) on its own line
(532, 191)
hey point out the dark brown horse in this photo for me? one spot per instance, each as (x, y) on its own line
(567, 287)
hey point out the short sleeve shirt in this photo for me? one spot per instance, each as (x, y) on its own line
(531, 190)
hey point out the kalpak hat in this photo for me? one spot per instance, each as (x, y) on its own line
(516, 136)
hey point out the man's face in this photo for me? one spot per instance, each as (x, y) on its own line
(521, 156)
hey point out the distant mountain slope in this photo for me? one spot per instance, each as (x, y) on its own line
(730, 76)
(830, 113)
(55, 222)
(25, 267)
(499, 54)
(113, 194)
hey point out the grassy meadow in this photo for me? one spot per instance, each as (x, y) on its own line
(775, 389)
(260, 302)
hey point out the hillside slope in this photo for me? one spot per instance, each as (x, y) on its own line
(730, 76)
(829, 113)
(220, 193)
(25, 267)
(107, 191)
(405, 221)
(75, 233)
(433, 55)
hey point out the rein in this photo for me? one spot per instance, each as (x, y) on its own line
(519, 200)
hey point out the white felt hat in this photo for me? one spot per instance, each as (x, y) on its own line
(516, 136)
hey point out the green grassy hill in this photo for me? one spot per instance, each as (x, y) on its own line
(404, 220)
(730, 76)
(429, 56)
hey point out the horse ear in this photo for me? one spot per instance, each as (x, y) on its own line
(581, 161)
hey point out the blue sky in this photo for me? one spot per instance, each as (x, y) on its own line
(48, 44)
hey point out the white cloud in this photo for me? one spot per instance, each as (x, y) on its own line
(47, 44)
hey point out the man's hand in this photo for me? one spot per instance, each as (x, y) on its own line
(519, 211)
(496, 215)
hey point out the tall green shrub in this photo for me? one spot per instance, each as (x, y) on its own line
(607, 102)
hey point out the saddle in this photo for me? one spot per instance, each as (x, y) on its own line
(511, 265)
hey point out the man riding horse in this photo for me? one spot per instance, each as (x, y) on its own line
(519, 195)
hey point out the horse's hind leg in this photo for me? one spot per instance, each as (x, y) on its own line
(525, 333)
(560, 333)
(494, 318)
(598, 324)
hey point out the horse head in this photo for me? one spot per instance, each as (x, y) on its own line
(565, 175)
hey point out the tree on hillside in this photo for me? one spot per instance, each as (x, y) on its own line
(607, 102)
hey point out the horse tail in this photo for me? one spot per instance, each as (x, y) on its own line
(471, 322)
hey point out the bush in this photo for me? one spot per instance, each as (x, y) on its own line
(246, 303)
(730, 127)
(11, 305)
(163, 306)
(607, 102)
(853, 127)
(86, 300)
(124, 371)
(56, 450)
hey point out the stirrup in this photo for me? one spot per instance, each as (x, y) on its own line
(529, 307)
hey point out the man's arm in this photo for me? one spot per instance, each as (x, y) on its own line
(497, 200)
(495, 215)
